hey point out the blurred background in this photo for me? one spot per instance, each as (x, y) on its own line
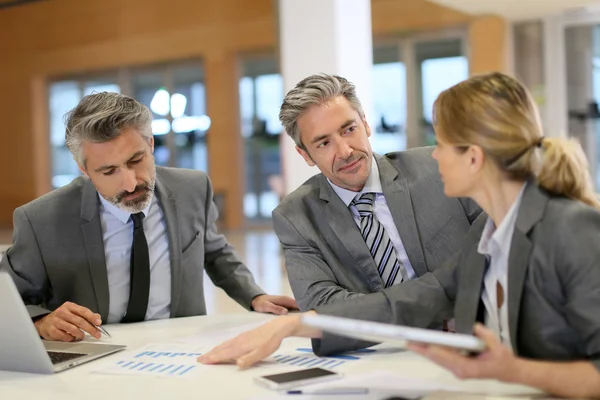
(214, 73)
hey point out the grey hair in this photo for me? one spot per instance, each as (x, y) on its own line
(314, 90)
(102, 117)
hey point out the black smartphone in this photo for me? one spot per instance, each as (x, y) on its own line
(292, 379)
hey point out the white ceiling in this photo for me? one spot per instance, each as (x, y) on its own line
(519, 9)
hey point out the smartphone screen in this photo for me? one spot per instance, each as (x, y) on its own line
(298, 375)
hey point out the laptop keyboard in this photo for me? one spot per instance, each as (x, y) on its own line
(59, 356)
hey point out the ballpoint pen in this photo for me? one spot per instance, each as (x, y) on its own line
(102, 330)
(330, 391)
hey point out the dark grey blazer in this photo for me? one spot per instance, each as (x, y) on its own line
(553, 285)
(327, 259)
(58, 251)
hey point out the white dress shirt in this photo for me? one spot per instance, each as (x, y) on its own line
(495, 245)
(381, 211)
(117, 232)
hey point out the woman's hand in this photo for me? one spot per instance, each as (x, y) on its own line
(496, 362)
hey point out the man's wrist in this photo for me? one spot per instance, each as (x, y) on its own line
(515, 371)
(39, 317)
(302, 330)
(37, 323)
(255, 298)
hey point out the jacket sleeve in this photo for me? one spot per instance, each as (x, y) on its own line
(24, 263)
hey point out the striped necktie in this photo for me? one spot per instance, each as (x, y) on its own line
(380, 246)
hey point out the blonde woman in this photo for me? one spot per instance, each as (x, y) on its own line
(529, 285)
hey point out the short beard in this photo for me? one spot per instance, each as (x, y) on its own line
(138, 204)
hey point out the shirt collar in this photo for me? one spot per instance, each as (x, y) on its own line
(373, 185)
(121, 214)
(501, 236)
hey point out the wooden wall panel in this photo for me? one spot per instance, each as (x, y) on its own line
(224, 139)
(405, 16)
(17, 156)
(62, 37)
(488, 47)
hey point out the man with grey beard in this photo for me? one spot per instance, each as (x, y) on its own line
(126, 242)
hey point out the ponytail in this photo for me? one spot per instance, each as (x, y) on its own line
(564, 171)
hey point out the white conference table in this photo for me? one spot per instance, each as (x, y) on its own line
(221, 381)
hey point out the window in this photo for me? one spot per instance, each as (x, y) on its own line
(175, 94)
(389, 106)
(63, 97)
(261, 95)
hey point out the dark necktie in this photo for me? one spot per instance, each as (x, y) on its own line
(140, 273)
(380, 246)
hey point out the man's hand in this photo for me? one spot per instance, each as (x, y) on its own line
(252, 346)
(274, 304)
(68, 323)
(496, 362)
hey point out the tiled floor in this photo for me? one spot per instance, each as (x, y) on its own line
(259, 249)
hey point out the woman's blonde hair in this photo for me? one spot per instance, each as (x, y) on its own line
(497, 113)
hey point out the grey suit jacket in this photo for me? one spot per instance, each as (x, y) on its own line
(553, 285)
(327, 259)
(58, 251)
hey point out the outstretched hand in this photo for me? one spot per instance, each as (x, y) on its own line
(252, 346)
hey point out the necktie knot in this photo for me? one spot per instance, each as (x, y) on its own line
(364, 204)
(137, 219)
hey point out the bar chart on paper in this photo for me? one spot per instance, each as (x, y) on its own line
(303, 357)
(159, 360)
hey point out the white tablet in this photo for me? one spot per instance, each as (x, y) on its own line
(395, 334)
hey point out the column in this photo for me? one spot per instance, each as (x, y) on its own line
(529, 60)
(330, 36)
(579, 45)
(224, 141)
(414, 94)
(555, 77)
(488, 45)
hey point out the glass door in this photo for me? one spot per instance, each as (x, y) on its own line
(175, 94)
(261, 95)
(408, 74)
(442, 65)
(389, 99)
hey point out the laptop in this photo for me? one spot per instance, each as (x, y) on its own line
(392, 334)
(22, 349)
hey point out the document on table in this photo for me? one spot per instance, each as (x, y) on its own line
(167, 360)
(305, 358)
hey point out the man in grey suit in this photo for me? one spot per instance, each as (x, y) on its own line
(367, 222)
(129, 241)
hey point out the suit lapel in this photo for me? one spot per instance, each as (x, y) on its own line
(470, 286)
(398, 199)
(531, 211)
(94, 246)
(168, 203)
(518, 261)
(340, 219)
